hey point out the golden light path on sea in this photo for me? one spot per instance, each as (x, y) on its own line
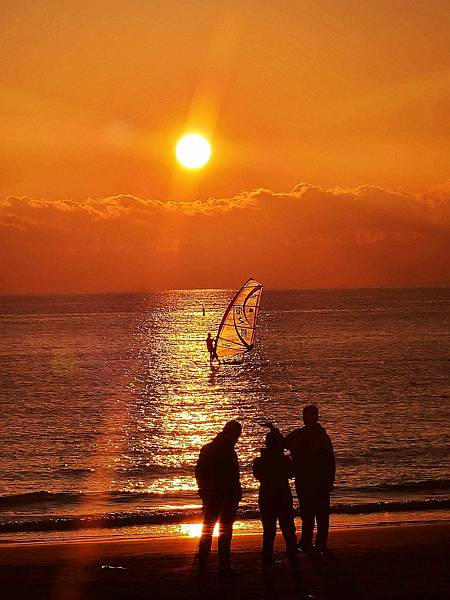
(169, 406)
(173, 342)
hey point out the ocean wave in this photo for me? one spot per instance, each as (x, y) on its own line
(64, 498)
(151, 470)
(13, 500)
(73, 471)
(375, 454)
(427, 485)
(127, 519)
(67, 498)
(391, 506)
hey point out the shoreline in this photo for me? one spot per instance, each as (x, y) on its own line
(365, 563)
(189, 527)
(155, 544)
(131, 537)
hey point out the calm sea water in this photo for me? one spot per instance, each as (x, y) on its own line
(105, 400)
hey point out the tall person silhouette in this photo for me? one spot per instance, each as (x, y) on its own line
(314, 468)
(219, 487)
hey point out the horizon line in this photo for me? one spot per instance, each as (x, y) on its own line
(221, 289)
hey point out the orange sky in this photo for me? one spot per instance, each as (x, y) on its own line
(352, 97)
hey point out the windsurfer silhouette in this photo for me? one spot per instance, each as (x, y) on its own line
(210, 344)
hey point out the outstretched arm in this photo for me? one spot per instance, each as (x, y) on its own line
(275, 430)
(269, 425)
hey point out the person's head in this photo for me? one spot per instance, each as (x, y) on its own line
(310, 414)
(209, 334)
(274, 441)
(232, 431)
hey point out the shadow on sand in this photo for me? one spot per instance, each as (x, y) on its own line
(334, 578)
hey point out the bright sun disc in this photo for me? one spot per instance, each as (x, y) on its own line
(193, 151)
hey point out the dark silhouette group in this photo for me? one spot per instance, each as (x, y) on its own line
(311, 463)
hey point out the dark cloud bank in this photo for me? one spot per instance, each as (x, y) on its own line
(309, 237)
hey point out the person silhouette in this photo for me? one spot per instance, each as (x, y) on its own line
(219, 487)
(211, 346)
(273, 469)
(313, 458)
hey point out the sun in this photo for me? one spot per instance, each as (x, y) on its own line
(193, 151)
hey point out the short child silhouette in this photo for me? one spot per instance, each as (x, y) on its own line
(273, 469)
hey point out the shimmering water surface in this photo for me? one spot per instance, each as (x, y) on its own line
(107, 399)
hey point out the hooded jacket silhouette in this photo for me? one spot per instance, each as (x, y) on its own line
(217, 470)
(219, 487)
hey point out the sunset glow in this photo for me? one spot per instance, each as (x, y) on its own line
(224, 299)
(137, 143)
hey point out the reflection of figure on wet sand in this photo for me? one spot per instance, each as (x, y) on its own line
(217, 475)
(314, 467)
(273, 469)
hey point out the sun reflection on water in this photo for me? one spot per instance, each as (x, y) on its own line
(171, 404)
(194, 530)
(177, 408)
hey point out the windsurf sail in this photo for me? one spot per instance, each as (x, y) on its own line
(236, 334)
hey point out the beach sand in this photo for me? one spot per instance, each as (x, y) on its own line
(390, 562)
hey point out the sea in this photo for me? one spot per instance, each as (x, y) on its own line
(106, 400)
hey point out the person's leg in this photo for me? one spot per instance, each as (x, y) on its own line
(307, 516)
(323, 519)
(287, 526)
(269, 523)
(227, 518)
(211, 511)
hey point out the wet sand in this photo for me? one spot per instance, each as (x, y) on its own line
(374, 563)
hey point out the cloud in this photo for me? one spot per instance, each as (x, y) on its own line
(307, 237)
